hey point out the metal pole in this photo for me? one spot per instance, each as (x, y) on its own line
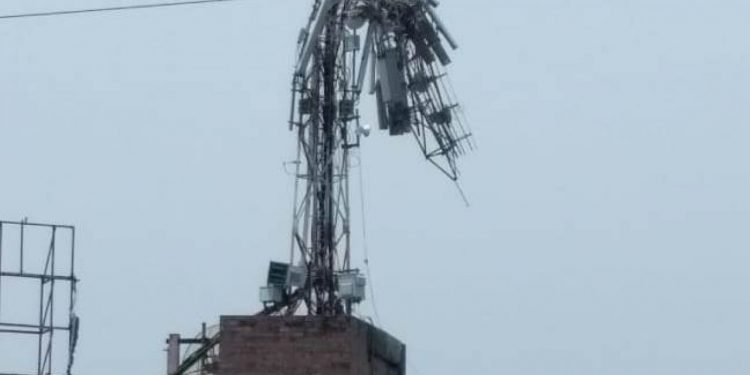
(173, 354)
(73, 281)
(73, 321)
(21, 260)
(1, 268)
(203, 342)
(41, 325)
(52, 300)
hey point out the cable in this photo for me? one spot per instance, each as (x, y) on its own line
(364, 241)
(463, 195)
(109, 9)
(414, 368)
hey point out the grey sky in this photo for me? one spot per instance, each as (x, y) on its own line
(609, 227)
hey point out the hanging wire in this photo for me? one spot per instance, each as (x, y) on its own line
(413, 367)
(364, 241)
(110, 9)
(463, 195)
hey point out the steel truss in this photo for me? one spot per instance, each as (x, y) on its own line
(324, 107)
(50, 276)
(404, 56)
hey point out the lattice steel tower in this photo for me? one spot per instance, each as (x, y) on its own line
(400, 44)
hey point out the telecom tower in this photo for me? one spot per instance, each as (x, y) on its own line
(394, 50)
(400, 44)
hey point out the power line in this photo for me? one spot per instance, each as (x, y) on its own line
(109, 9)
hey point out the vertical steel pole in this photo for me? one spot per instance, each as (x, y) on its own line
(52, 299)
(21, 260)
(173, 354)
(72, 319)
(40, 370)
(204, 339)
(73, 280)
(1, 268)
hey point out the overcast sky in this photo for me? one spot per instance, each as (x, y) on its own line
(610, 220)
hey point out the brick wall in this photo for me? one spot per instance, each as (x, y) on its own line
(307, 346)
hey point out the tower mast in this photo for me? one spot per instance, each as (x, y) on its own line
(403, 54)
(321, 223)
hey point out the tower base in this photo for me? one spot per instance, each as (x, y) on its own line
(307, 345)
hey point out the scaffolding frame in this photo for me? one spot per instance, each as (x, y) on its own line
(49, 280)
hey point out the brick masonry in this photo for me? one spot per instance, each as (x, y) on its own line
(302, 345)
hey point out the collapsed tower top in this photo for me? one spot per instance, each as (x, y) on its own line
(402, 46)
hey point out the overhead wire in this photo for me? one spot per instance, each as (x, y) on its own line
(410, 363)
(110, 9)
(365, 249)
(461, 192)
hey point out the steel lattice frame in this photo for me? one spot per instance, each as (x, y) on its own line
(321, 230)
(326, 91)
(49, 279)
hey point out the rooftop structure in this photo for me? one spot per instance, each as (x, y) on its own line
(37, 270)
